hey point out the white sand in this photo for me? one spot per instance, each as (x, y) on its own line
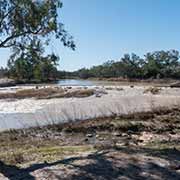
(31, 112)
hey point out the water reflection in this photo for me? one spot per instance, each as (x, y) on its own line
(75, 82)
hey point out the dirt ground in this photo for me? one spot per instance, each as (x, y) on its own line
(138, 146)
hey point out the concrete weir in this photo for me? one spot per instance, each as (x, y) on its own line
(26, 113)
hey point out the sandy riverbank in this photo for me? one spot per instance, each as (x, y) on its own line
(112, 100)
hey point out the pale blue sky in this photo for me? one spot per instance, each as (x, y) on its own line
(106, 29)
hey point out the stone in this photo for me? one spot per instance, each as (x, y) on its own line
(124, 134)
(175, 85)
(117, 134)
(98, 95)
(89, 135)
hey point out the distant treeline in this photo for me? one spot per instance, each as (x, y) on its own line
(158, 64)
(155, 65)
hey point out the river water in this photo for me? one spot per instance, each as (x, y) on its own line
(75, 82)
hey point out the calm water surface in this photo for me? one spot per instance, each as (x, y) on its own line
(75, 82)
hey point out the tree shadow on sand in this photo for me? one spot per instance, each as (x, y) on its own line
(99, 166)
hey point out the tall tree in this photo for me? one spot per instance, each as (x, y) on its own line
(26, 26)
(21, 20)
(32, 64)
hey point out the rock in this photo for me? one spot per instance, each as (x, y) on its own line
(89, 135)
(45, 162)
(130, 132)
(98, 95)
(100, 92)
(101, 139)
(97, 135)
(140, 140)
(175, 85)
(118, 134)
(124, 135)
(175, 167)
(134, 136)
(119, 89)
(109, 88)
(172, 132)
(120, 144)
(152, 90)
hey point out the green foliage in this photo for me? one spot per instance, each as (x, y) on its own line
(3, 72)
(26, 26)
(30, 64)
(158, 64)
(20, 21)
(161, 63)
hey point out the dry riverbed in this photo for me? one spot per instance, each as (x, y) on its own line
(137, 146)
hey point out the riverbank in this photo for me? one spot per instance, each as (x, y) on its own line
(145, 144)
(136, 82)
(5, 82)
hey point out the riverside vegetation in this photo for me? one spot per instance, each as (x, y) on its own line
(154, 65)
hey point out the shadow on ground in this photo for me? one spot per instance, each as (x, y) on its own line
(124, 163)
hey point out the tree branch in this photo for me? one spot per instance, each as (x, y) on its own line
(6, 15)
(3, 43)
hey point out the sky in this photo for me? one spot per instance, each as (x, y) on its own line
(106, 29)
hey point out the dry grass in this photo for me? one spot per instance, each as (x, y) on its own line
(80, 93)
(47, 93)
(152, 90)
(29, 93)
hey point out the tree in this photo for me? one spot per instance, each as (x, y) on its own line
(30, 64)
(46, 69)
(22, 20)
(158, 64)
(161, 63)
(3, 72)
(84, 73)
(26, 26)
(132, 65)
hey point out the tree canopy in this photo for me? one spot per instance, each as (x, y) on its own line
(26, 26)
(158, 64)
(20, 21)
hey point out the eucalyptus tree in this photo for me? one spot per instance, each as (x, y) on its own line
(24, 23)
